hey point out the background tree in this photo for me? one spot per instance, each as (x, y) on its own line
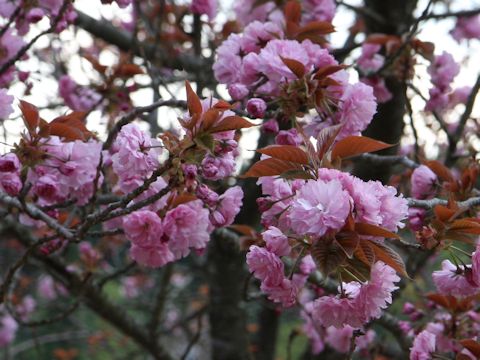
(136, 222)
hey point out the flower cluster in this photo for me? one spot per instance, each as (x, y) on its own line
(317, 206)
(33, 12)
(369, 62)
(442, 72)
(312, 212)
(69, 171)
(76, 97)
(459, 280)
(207, 7)
(314, 10)
(423, 186)
(359, 303)
(466, 28)
(170, 228)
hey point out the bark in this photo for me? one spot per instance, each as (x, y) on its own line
(388, 123)
(226, 311)
(90, 295)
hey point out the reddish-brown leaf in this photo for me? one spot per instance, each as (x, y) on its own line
(443, 213)
(222, 105)
(374, 230)
(440, 170)
(286, 152)
(327, 71)
(31, 117)
(193, 101)
(243, 229)
(128, 70)
(96, 65)
(447, 301)
(356, 145)
(293, 11)
(295, 67)
(69, 133)
(348, 241)
(364, 252)
(389, 257)
(328, 256)
(315, 28)
(231, 123)
(209, 118)
(325, 139)
(466, 226)
(472, 346)
(271, 167)
(182, 199)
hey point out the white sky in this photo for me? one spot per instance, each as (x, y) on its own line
(45, 91)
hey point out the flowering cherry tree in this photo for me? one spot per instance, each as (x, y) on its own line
(233, 185)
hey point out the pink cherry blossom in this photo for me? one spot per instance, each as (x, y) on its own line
(466, 28)
(370, 60)
(187, 226)
(276, 241)
(208, 7)
(380, 90)
(357, 107)
(77, 97)
(11, 183)
(451, 281)
(135, 156)
(288, 137)
(216, 168)
(443, 70)
(8, 329)
(423, 182)
(257, 33)
(256, 107)
(270, 126)
(145, 230)
(318, 10)
(229, 204)
(228, 60)
(423, 346)
(283, 292)
(9, 163)
(361, 302)
(318, 207)
(5, 104)
(265, 264)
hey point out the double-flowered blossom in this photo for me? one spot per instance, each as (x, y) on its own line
(459, 280)
(8, 330)
(5, 104)
(329, 200)
(207, 7)
(319, 207)
(10, 181)
(68, 172)
(317, 210)
(135, 157)
(423, 182)
(423, 346)
(360, 302)
(145, 230)
(467, 28)
(267, 267)
(442, 72)
(76, 97)
(354, 110)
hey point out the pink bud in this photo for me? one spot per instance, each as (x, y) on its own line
(256, 107)
(237, 91)
(270, 126)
